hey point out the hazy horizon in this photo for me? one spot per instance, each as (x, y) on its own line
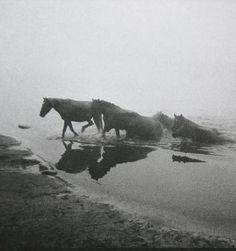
(175, 56)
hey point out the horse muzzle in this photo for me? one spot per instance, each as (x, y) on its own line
(42, 115)
(174, 135)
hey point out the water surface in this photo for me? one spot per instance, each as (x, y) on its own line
(143, 178)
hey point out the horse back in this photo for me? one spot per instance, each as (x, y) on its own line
(146, 128)
(73, 110)
(121, 120)
(202, 134)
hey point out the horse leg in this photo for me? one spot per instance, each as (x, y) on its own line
(117, 133)
(103, 133)
(64, 129)
(71, 128)
(98, 122)
(90, 123)
(68, 147)
(106, 127)
(128, 134)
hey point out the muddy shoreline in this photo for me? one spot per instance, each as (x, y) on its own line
(41, 211)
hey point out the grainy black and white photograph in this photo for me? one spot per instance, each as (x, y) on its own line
(117, 124)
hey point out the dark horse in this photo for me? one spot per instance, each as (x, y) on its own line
(71, 110)
(188, 129)
(133, 123)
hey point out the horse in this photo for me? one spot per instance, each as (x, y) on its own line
(72, 110)
(133, 123)
(186, 128)
(113, 116)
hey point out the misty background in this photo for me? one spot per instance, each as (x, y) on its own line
(171, 55)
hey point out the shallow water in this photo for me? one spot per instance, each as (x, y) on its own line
(142, 178)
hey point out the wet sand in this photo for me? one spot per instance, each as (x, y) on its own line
(40, 211)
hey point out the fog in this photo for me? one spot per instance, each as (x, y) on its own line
(171, 55)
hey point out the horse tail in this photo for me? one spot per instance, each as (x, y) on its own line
(157, 115)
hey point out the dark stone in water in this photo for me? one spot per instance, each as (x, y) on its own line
(15, 156)
(23, 126)
(3, 157)
(184, 159)
(25, 162)
(49, 172)
(42, 167)
(8, 141)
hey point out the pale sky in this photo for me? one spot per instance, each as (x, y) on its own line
(170, 55)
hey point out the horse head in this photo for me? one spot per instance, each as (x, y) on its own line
(165, 120)
(46, 107)
(178, 122)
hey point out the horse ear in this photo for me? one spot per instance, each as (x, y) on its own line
(175, 115)
(181, 115)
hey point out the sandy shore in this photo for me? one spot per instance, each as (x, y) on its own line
(40, 211)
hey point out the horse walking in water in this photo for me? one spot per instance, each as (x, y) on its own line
(133, 123)
(71, 110)
(113, 116)
(188, 129)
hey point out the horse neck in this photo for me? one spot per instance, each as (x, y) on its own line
(56, 103)
(190, 123)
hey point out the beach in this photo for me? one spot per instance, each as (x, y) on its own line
(42, 211)
(159, 74)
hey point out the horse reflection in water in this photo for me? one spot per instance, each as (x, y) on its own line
(99, 159)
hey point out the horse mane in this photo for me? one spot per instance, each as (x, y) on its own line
(164, 119)
(159, 115)
(112, 107)
(55, 102)
(189, 122)
(108, 103)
